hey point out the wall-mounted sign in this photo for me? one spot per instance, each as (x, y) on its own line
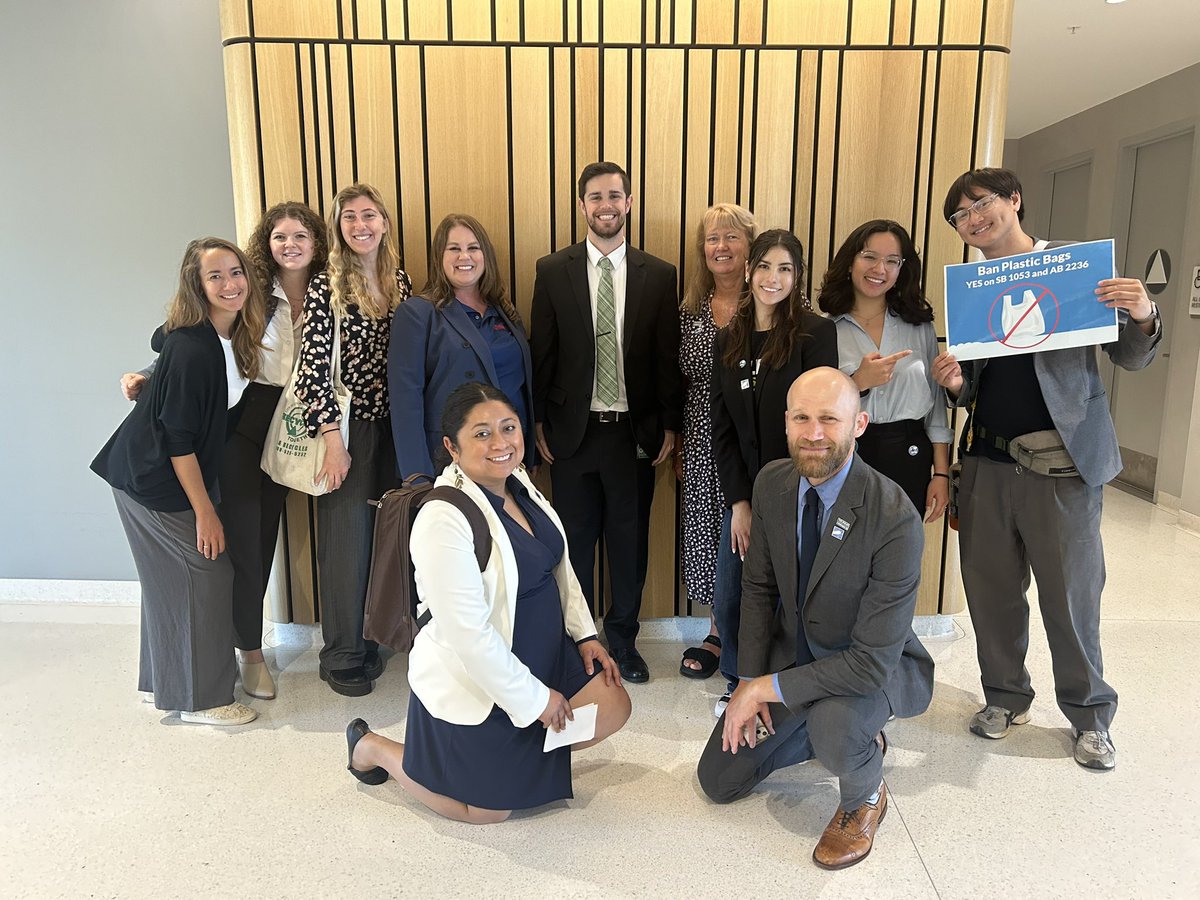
(1194, 302)
(1158, 271)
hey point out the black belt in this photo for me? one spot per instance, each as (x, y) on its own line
(979, 433)
(909, 428)
(608, 415)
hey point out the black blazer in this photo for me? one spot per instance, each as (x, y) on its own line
(181, 410)
(564, 349)
(748, 427)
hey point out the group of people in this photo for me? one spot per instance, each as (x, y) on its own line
(809, 449)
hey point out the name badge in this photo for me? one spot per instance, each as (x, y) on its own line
(838, 533)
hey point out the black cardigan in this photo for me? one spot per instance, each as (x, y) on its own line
(748, 429)
(182, 410)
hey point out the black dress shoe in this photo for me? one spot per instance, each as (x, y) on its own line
(352, 682)
(372, 665)
(633, 667)
(355, 732)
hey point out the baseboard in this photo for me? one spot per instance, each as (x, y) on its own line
(1189, 522)
(59, 591)
(1169, 502)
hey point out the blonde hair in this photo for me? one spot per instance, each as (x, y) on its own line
(438, 289)
(347, 282)
(719, 215)
(190, 304)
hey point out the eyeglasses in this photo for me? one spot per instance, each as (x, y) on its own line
(980, 206)
(890, 263)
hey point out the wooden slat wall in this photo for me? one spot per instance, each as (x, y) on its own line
(816, 114)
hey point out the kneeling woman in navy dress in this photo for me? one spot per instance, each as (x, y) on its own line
(508, 653)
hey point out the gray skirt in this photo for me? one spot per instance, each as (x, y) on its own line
(187, 610)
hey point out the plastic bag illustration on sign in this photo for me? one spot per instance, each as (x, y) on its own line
(1023, 321)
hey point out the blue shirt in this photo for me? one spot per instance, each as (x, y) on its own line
(827, 493)
(506, 357)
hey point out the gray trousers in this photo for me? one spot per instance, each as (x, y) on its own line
(187, 601)
(839, 732)
(1012, 521)
(345, 527)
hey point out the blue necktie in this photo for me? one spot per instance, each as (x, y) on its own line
(810, 540)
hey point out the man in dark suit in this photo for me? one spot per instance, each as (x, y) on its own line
(607, 396)
(827, 651)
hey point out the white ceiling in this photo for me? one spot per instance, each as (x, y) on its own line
(1054, 74)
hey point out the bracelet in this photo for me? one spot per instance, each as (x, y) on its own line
(941, 475)
(331, 430)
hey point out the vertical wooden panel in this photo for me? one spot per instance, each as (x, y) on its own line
(623, 21)
(589, 24)
(280, 125)
(472, 20)
(807, 23)
(564, 162)
(287, 19)
(869, 24)
(235, 19)
(412, 162)
(750, 23)
(426, 20)
(617, 100)
(999, 26)
(993, 110)
(714, 21)
(824, 224)
(964, 22)
(344, 149)
(373, 118)
(544, 20)
(508, 21)
(697, 142)
(531, 195)
(902, 24)
(726, 134)
(748, 119)
(878, 150)
(806, 150)
(243, 137)
(772, 152)
(927, 22)
(368, 17)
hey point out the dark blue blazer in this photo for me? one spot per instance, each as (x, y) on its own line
(432, 352)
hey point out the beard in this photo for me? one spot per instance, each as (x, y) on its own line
(819, 467)
(607, 229)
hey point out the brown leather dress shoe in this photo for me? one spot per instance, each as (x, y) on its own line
(849, 835)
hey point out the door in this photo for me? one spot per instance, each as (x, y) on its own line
(1069, 204)
(1153, 252)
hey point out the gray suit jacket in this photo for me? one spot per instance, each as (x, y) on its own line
(1075, 395)
(860, 600)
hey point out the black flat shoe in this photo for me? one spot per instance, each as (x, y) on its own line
(372, 665)
(352, 682)
(355, 732)
(633, 668)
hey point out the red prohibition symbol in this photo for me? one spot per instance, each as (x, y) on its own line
(1043, 298)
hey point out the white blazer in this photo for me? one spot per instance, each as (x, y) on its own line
(462, 661)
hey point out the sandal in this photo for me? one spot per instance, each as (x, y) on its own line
(708, 660)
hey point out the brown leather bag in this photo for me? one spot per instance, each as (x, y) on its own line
(391, 608)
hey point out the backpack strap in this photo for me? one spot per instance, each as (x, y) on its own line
(481, 536)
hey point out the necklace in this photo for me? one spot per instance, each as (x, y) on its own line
(866, 320)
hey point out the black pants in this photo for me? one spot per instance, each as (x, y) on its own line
(604, 488)
(251, 505)
(901, 451)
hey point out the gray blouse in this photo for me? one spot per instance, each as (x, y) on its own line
(912, 393)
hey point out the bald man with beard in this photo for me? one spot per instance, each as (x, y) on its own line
(827, 653)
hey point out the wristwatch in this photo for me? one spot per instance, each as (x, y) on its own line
(1149, 318)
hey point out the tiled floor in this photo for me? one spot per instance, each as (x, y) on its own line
(103, 796)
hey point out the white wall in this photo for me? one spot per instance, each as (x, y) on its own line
(1105, 134)
(115, 153)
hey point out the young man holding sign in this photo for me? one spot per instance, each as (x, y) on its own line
(1014, 519)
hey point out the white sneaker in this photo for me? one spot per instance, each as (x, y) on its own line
(1095, 750)
(147, 697)
(231, 714)
(719, 709)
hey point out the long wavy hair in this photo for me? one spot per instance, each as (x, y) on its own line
(438, 289)
(190, 304)
(719, 215)
(904, 299)
(258, 247)
(787, 323)
(347, 282)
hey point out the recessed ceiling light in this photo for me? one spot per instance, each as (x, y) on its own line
(1113, 2)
